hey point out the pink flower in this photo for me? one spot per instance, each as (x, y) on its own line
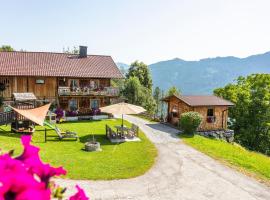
(80, 195)
(16, 183)
(27, 177)
(34, 194)
(30, 157)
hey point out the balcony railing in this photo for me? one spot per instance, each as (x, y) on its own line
(106, 91)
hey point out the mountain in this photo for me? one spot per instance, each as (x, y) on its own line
(203, 76)
(123, 67)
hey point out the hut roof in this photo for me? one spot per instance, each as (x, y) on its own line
(201, 100)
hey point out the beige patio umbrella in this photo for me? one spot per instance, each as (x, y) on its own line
(36, 115)
(122, 109)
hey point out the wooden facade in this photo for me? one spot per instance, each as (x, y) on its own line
(81, 94)
(28, 84)
(215, 117)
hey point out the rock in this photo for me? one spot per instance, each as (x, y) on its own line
(227, 135)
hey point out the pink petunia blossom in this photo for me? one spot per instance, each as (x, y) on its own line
(16, 182)
(80, 195)
(30, 157)
(26, 177)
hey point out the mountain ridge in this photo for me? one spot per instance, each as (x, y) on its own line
(204, 75)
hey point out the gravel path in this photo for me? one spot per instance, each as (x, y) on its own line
(180, 173)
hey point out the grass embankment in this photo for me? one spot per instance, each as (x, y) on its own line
(251, 163)
(115, 161)
(145, 117)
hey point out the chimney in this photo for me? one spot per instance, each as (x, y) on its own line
(83, 51)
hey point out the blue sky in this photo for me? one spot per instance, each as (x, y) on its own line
(146, 30)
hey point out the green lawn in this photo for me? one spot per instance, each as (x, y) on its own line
(250, 163)
(115, 161)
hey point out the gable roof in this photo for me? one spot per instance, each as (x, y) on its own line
(201, 100)
(57, 65)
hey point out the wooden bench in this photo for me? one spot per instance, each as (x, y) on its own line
(110, 133)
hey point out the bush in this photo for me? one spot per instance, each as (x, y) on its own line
(190, 121)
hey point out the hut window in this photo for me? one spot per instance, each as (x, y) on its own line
(40, 81)
(174, 111)
(210, 115)
(210, 112)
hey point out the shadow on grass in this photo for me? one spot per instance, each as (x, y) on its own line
(9, 134)
(102, 139)
(186, 135)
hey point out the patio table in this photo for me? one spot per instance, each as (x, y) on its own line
(122, 130)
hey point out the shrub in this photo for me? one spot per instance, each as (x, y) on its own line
(190, 121)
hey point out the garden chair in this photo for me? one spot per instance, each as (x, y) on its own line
(67, 134)
(110, 133)
(134, 131)
(113, 133)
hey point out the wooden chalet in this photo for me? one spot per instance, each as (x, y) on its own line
(74, 82)
(214, 110)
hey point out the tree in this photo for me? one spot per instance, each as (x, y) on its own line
(132, 90)
(6, 48)
(157, 98)
(251, 113)
(173, 91)
(141, 71)
(162, 108)
(137, 94)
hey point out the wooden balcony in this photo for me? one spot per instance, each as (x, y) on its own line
(106, 91)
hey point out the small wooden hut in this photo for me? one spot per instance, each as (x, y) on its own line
(213, 109)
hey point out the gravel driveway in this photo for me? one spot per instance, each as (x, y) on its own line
(180, 173)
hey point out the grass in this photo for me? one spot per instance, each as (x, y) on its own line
(251, 163)
(115, 161)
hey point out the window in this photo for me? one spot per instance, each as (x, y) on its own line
(73, 105)
(210, 115)
(174, 111)
(74, 83)
(40, 81)
(62, 82)
(94, 103)
(210, 112)
(94, 84)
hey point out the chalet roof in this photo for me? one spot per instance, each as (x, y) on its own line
(27, 96)
(57, 65)
(201, 100)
